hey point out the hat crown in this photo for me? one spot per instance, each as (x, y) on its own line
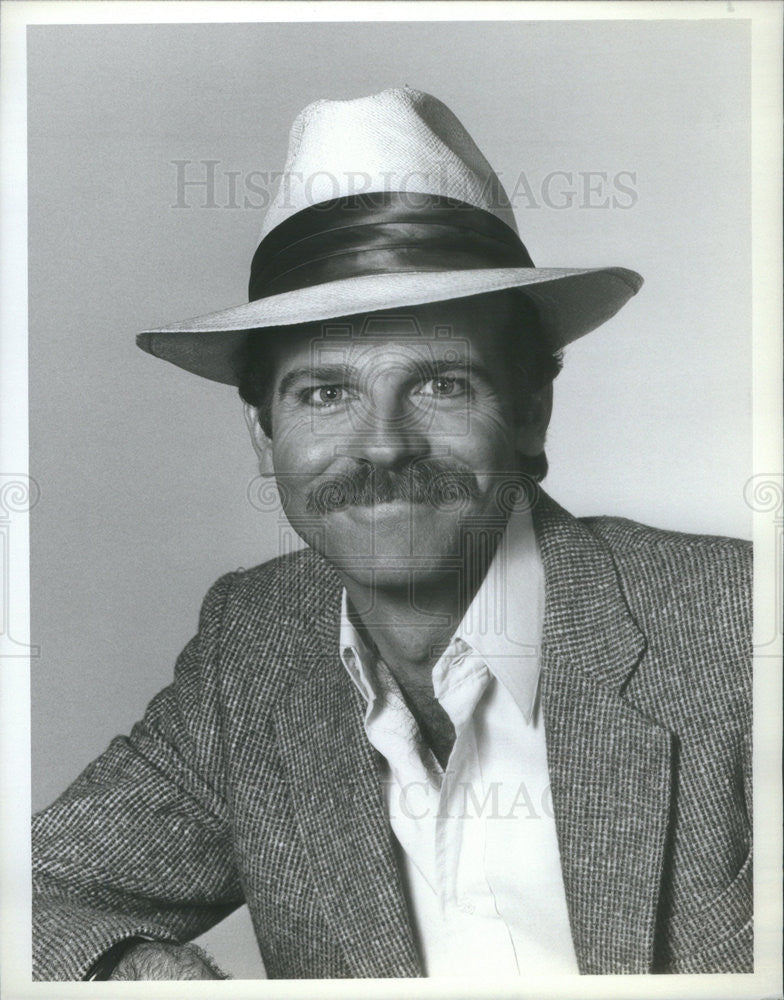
(398, 140)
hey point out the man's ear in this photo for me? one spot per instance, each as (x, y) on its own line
(536, 418)
(262, 445)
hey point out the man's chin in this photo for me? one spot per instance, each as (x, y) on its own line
(387, 573)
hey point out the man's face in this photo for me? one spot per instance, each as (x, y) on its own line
(395, 436)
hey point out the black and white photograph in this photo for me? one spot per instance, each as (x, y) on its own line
(391, 499)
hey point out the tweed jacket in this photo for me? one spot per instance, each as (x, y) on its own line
(250, 778)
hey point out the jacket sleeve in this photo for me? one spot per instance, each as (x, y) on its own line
(140, 844)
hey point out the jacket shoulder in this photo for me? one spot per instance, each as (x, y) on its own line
(289, 586)
(673, 558)
(699, 578)
(691, 595)
(258, 625)
(624, 534)
(272, 604)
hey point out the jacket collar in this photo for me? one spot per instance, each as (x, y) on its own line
(587, 618)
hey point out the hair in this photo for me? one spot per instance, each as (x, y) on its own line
(535, 363)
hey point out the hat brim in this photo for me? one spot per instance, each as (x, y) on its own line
(570, 301)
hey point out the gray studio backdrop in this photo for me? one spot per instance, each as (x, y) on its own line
(620, 143)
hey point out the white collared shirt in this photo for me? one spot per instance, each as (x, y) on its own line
(478, 848)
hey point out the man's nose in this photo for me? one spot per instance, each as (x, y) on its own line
(388, 433)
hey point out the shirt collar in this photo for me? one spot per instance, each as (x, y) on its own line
(503, 623)
(355, 654)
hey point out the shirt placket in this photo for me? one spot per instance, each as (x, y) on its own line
(413, 776)
(459, 834)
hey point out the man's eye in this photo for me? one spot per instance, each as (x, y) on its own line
(444, 385)
(325, 395)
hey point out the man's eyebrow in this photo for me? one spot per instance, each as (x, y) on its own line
(476, 368)
(318, 373)
(340, 373)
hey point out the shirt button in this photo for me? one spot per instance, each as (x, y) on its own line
(465, 905)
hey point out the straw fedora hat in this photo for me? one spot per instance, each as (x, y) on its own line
(384, 202)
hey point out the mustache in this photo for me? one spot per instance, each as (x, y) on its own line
(426, 482)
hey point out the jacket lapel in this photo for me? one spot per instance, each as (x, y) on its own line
(340, 810)
(610, 767)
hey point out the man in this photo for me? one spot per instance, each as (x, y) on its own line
(461, 732)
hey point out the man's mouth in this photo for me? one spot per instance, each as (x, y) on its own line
(385, 510)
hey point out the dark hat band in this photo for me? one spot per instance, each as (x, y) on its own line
(381, 233)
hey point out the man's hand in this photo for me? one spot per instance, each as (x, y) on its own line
(158, 960)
